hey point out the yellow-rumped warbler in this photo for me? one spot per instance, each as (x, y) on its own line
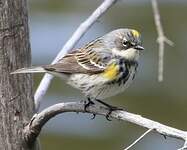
(100, 69)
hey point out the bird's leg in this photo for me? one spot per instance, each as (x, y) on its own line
(87, 104)
(110, 107)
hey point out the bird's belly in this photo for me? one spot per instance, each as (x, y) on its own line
(112, 89)
(96, 86)
(88, 84)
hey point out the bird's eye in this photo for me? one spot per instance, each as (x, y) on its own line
(126, 44)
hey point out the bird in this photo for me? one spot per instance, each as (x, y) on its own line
(101, 68)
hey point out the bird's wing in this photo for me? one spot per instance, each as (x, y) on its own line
(79, 61)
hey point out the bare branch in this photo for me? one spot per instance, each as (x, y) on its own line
(33, 129)
(81, 30)
(137, 140)
(162, 39)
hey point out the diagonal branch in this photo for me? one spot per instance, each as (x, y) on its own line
(81, 30)
(161, 40)
(32, 130)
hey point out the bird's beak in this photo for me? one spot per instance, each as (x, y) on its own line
(138, 47)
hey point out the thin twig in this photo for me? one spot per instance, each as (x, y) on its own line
(141, 137)
(32, 130)
(161, 40)
(184, 146)
(81, 30)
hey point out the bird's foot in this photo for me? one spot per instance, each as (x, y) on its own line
(88, 103)
(110, 108)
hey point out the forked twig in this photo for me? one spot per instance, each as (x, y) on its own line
(161, 40)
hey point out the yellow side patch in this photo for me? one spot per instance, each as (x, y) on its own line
(111, 71)
(135, 33)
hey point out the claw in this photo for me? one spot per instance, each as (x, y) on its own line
(108, 116)
(94, 115)
(111, 109)
(165, 137)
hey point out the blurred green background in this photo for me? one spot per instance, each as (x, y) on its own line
(52, 22)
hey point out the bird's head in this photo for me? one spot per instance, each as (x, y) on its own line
(124, 43)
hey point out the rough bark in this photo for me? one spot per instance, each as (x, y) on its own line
(16, 101)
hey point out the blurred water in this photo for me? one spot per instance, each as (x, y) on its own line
(53, 23)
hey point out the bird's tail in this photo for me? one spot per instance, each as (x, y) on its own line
(29, 70)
